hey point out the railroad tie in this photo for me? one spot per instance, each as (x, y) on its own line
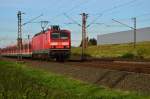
(122, 77)
(102, 77)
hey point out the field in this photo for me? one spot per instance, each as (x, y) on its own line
(142, 50)
(18, 81)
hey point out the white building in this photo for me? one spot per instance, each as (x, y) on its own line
(142, 34)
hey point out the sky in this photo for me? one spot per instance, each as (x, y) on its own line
(100, 15)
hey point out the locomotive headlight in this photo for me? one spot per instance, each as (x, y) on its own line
(54, 43)
(65, 43)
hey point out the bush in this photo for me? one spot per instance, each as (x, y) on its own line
(140, 53)
(128, 55)
(92, 41)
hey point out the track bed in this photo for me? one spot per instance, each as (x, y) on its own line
(134, 76)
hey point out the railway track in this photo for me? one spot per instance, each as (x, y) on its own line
(122, 65)
(129, 66)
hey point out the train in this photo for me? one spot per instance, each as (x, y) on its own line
(52, 43)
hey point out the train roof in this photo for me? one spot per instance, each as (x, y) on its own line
(54, 28)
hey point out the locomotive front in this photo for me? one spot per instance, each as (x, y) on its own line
(60, 43)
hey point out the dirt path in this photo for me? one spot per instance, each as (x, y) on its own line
(100, 76)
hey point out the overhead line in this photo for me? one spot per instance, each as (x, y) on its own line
(32, 20)
(118, 6)
(77, 6)
(110, 9)
(72, 19)
(74, 7)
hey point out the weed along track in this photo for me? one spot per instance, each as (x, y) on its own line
(117, 75)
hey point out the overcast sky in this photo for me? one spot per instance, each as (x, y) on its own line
(53, 10)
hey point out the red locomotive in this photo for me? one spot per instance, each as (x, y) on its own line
(52, 43)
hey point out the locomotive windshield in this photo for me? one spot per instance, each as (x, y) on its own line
(55, 35)
(63, 35)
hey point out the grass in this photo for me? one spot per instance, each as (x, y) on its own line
(18, 81)
(142, 50)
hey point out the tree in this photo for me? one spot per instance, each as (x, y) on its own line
(92, 41)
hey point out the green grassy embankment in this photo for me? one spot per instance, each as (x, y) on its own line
(18, 81)
(142, 50)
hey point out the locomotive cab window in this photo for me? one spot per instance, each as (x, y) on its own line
(64, 35)
(55, 35)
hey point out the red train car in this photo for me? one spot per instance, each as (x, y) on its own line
(12, 51)
(52, 43)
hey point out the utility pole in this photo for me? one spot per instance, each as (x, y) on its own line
(84, 27)
(28, 44)
(19, 39)
(134, 19)
(84, 38)
(133, 28)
